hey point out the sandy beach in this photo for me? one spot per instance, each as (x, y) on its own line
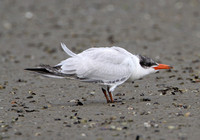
(161, 106)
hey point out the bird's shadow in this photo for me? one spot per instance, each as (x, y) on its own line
(90, 103)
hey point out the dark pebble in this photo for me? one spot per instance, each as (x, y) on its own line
(138, 137)
(144, 113)
(125, 127)
(79, 103)
(26, 107)
(145, 99)
(173, 93)
(45, 107)
(132, 98)
(18, 133)
(79, 118)
(120, 94)
(163, 91)
(142, 94)
(111, 39)
(21, 80)
(20, 115)
(179, 78)
(33, 110)
(32, 93)
(77, 122)
(33, 101)
(14, 105)
(185, 106)
(57, 119)
(29, 97)
(19, 111)
(65, 122)
(156, 103)
(74, 110)
(172, 76)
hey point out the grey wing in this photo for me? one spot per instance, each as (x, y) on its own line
(105, 73)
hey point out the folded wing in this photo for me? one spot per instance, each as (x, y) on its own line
(109, 66)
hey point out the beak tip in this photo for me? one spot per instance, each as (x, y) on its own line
(163, 66)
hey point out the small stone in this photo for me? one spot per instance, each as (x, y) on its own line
(119, 128)
(92, 124)
(112, 105)
(83, 121)
(147, 124)
(31, 92)
(187, 114)
(171, 127)
(72, 101)
(28, 15)
(92, 93)
(130, 108)
(113, 127)
(37, 134)
(13, 102)
(2, 87)
(113, 118)
(83, 134)
(129, 120)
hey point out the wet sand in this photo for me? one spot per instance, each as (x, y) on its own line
(161, 106)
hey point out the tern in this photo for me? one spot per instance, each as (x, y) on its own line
(106, 66)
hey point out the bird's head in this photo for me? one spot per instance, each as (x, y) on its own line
(147, 66)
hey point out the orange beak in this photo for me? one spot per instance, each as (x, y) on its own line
(162, 66)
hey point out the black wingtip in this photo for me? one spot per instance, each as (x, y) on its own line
(27, 69)
(38, 70)
(32, 69)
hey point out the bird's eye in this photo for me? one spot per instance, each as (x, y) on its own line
(146, 62)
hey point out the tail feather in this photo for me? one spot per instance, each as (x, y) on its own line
(64, 47)
(49, 71)
(56, 71)
(38, 70)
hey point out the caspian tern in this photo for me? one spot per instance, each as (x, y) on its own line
(107, 66)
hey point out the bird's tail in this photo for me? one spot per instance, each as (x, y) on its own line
(49, 71)
(55, 71)
(64, 47)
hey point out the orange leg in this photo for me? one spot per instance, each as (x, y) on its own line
(110, 94)
(104, 91)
